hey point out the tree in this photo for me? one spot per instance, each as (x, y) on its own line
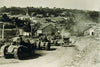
(94, 15)
(5, 18)
(3, 9)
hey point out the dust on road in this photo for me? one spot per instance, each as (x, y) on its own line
(55, 58)
(85, 54)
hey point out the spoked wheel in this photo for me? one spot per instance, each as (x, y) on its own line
(47, 46)
(21, 52)
(4, 51)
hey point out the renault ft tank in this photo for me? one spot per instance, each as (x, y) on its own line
(17, 48)
(42, 43)
(67, 42)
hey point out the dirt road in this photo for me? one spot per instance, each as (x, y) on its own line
(85, 54)
(55, 58)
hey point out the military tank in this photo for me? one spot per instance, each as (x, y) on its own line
(67, 42)
(17, 48)
(42, 43)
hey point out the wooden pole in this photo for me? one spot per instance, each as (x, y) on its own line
(3, 32)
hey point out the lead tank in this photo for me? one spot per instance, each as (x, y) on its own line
(17, 48)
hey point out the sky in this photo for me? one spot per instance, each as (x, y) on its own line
(73, 4)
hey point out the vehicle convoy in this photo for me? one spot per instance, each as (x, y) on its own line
(19, 48)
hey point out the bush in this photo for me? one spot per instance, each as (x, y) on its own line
(94, 15)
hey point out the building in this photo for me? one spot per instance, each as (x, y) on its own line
(46, 29)
(93, 31)
(89, 32)
(22, 32)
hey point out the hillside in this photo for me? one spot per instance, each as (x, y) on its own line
(73, 20)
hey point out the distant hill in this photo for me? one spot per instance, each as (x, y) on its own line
(76, 21)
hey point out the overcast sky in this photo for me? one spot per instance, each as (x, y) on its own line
(74, 4)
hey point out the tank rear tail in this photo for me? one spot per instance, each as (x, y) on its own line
(4, 52)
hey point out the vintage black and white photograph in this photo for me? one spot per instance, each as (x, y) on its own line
(49, 33)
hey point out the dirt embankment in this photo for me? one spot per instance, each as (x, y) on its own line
(88, 54)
